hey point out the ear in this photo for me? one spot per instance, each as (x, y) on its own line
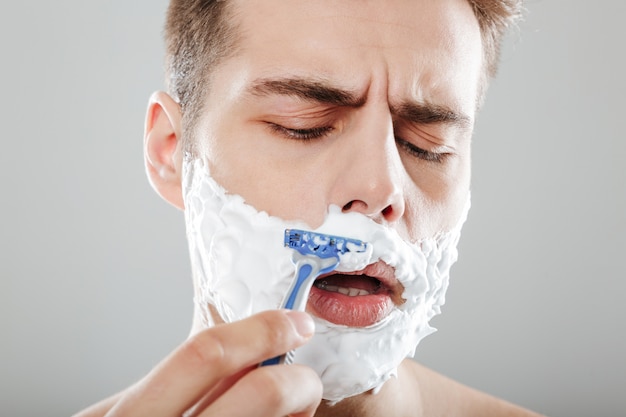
(163, 148)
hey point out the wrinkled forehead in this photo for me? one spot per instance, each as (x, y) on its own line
(428, 49)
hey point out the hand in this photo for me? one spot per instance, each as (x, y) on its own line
(215, 373)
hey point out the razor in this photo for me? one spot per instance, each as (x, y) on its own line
(313, 254)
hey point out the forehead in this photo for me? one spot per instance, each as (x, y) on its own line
(429, 50)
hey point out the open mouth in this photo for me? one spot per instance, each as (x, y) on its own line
(350, 285)
(356, 299)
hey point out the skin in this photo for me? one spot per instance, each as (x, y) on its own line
(364, 107)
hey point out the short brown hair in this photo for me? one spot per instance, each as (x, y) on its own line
(199, 33)
(494, 17)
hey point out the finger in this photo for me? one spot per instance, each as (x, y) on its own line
(211, 355)
(215, 392)
(271, 391)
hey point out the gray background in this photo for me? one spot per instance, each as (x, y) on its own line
(95, 284)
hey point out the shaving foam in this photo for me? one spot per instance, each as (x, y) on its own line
(241, 267)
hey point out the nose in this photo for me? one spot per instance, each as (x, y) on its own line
(370, 181)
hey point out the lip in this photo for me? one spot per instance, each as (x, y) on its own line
(362, 310)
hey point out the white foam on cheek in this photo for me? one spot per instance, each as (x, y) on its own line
(241, 267)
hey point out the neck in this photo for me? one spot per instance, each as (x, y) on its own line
(398, 397)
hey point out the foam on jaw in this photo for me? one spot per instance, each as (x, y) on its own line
(241, 267)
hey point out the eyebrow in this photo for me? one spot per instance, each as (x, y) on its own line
(310, 90)
(322, 92)
(428, 113)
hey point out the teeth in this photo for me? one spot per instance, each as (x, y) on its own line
(350, 292)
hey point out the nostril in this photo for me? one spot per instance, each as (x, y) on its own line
(361, 207)
(357, 206)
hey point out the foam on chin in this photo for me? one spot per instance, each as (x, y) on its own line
(241, 267)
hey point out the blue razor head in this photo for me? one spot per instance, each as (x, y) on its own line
(320, 244)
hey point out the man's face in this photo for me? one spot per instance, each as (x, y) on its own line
(363, 105)
(324, 107)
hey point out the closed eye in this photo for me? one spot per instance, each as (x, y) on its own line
(301, 134)
(313, 133)
(437, 157)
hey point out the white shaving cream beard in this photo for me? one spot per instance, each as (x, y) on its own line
(241, 267)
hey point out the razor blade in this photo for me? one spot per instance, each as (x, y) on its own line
(320, 244)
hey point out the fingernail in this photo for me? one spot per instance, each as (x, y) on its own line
(302, 322)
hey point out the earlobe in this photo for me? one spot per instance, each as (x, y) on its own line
(163, 148)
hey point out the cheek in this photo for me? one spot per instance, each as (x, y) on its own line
(269, 177)
(435, 197)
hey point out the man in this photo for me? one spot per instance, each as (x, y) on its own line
(341, 116)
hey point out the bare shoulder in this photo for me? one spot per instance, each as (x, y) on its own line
(444, 396)
(101, 408)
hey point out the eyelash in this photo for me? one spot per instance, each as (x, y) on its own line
(436, 157)
(318, 132)
(302, 134)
